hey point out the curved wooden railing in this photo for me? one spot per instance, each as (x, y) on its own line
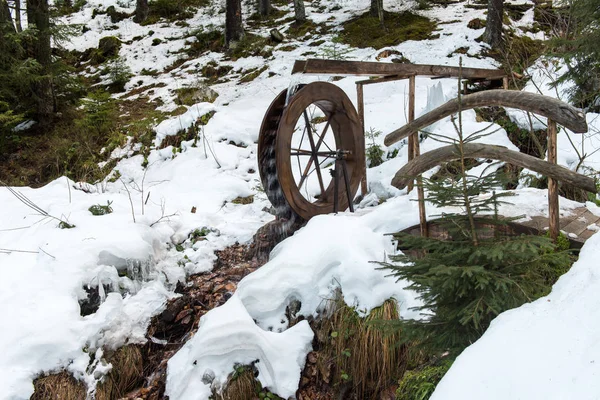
(554, 110)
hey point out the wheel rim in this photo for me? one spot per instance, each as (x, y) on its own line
(337, 134)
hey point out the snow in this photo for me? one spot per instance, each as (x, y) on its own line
(130, 255)
(547, 349)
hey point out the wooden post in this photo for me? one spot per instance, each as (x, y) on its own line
(505, 83)
(411, 117)
(361, 117)
(414, 150)
(553, 210)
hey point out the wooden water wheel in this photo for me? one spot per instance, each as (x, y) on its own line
(311, 151)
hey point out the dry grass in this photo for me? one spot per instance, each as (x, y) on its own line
(58, 386)
(241, 385)
(364, 356)
(127, 373)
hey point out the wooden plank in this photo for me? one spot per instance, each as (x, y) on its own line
(546, 106)
(433, 158)
(361, 116)
(371, 68)
(553, 207)
(390, 78)
(411, 116)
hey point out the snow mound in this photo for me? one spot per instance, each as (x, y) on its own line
(548, 349)
(227, 335)
(332, 252)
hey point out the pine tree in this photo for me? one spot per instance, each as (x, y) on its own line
(141, 11)
(493, 26)
(581, 49)
(478, 271)
(234, 30)
(264, 7)
(376, 9)
(299, 11)
(38, 16)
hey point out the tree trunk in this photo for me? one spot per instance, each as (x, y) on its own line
(18, 24)
(300, 13)
(493, 25)
(264, 7)
(376, 9)
(141, 11)
(38, 16)
(234, 30)
(5, 18)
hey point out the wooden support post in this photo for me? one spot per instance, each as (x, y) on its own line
(411, 116)
(505, 83)
(361, 116)
(414, 150)
(553, 210)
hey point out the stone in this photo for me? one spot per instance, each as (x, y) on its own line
(476, 23)
(276, 35)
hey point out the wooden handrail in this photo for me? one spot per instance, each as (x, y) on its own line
(563, 113)
(433, 158)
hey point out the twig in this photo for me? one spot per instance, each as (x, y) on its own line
(163, 216)
(8, 251)
(130, 201)
(15, 229)
(69, 187)
(25, 200)
(42, 250)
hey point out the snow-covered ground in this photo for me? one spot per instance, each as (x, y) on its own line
(137, 254)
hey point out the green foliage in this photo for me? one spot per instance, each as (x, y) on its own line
(252, 74)
(475, 271)
(173, 9)
(374, 151)
(98, 209)
(475, 267)
(579, 45)
(367, 31)
(119, 74)
(100, 113)
(333, 51)
(8, 120)
(419, 384)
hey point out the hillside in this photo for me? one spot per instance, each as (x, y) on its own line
(88, 266)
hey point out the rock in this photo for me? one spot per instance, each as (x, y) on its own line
(200, 93)
(476, 23)
(115, 16)
(276, 35)
(204, 94)
(109, 46)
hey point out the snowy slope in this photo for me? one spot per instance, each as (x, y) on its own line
(131, 253)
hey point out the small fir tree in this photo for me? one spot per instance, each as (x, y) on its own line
(475, 273)
(580, 47)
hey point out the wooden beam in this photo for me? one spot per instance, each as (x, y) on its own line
(411, 117)
(416, 151)
(371, 68)
(549, 107)
(390, 78)
(476, 150)
(361, 116)
(553, 208)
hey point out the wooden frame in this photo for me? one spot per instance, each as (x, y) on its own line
(555, 110)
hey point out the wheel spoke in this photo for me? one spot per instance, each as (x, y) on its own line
(307, 175)
(322, 137)
(314, 149)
